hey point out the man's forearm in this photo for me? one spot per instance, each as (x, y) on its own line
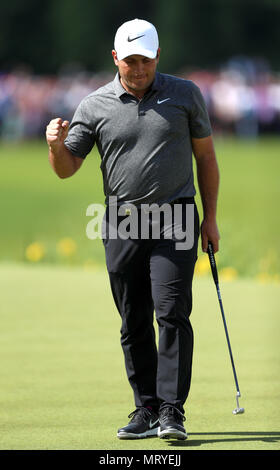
(62, 161)
(208, 182)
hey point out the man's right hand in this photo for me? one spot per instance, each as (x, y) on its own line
(62, 161)
(56, 133)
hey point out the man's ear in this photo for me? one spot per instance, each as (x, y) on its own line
(115, 58)
(158, 54)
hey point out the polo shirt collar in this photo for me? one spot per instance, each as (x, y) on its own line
(119, 89)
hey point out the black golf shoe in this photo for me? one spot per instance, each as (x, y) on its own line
(171, 423)
(144, 423)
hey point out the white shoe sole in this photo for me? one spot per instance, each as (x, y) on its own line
(130, 435)
(172, 433)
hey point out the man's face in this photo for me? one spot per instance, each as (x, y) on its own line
(137, 72)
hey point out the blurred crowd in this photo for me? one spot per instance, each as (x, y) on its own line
(28, 102)
(243, 98)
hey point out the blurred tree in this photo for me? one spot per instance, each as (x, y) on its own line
(83, 31)
(46, 35)
(204, 33)
(24, 33)
(173, 22)
(76, 30)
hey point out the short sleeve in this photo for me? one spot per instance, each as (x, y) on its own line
(200, 125)
(81, 136)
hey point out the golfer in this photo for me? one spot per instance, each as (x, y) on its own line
(147, 125)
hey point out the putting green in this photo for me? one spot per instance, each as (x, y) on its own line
(63, 384)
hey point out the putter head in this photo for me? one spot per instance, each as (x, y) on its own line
(238, 411)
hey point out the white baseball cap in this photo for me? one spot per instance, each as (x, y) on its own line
(136, 37)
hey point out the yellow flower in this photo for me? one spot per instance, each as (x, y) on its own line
(228, 274)
(66, 247)
(202, 265)
(35, 252)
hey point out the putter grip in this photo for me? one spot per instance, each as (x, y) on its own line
(210, 252)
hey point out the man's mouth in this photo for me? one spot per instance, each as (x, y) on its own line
(139, 77)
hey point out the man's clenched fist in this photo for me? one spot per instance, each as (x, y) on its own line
(56, 132)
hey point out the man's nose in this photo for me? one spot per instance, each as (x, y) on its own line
(139, 67)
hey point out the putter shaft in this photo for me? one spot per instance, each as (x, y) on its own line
(216, 280)
(228, 341)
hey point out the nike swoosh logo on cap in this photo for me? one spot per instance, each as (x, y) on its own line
(133, 39)
(151, 424)
(162, 101)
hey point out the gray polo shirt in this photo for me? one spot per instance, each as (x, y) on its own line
(145, 146)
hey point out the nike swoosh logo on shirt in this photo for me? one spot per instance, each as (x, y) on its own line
(151, 424)
(162, 101)
(133, 39)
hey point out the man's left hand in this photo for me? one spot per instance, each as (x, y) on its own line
(209, 232)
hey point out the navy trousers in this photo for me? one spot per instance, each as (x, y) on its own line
(147, 276)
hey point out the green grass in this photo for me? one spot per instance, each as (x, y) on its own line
(63, 384)
(36, 206)
(248, 217)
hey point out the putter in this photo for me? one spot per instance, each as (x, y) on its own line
(210, 252)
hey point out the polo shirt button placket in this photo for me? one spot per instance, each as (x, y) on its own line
(141, 111)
